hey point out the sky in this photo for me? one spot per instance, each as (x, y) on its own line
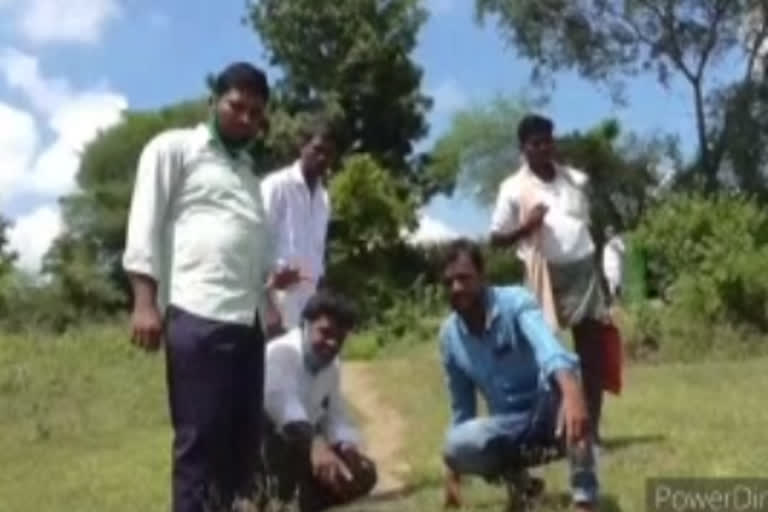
(69, 68)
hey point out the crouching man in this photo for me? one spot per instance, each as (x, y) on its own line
(496, 341)
(312, 449)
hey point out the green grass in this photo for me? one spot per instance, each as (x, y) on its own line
(84, 427)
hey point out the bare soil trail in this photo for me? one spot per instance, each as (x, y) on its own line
(382, 426)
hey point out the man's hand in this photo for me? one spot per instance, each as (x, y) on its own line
(574, 409)
(452, 489)
(273, 320)
(146, 327)
(535, 218)
(284, 278)
(329, 468)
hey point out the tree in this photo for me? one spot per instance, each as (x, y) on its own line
(481, 150)
(352, 58)
(367, 256)
(606, 41)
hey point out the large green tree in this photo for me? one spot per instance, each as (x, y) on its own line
(688, 40)
(352, 58)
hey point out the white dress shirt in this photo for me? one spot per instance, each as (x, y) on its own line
(197, 225)
(293, 394)
(565, 230)
(299, 218)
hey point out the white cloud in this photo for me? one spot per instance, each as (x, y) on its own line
(432, 230)
(56, 21)
(32, 235)
(43, 174)
(22, 71)
(76, 124)
(18, 143)
(448, 97)
(75, 117)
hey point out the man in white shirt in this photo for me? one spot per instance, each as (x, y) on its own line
(613, 262)
(311, 445)
(543, 211)
(198, 251)
(298, 209)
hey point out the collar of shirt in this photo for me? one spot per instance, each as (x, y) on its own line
(297, 175)
(561, 173)
(206, 138)
(492, 315)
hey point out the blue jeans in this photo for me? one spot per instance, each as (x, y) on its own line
(491, 447)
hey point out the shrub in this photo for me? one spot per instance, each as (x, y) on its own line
(708, 257)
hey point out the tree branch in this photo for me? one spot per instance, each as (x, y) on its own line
(758, 42)
(720, 9)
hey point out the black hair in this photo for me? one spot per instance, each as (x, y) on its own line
(327, 303)
(467, 247)
(242, 75)
(534, 124)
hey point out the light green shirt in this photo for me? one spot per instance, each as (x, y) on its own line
(197, 225)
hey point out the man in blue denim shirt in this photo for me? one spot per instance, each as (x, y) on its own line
(497, 342)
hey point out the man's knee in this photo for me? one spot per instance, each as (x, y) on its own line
(465, 449)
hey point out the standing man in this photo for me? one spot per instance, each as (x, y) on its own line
(197, 254)
(496, 342)
(543, 210)
(312, 447)
(613, 262)
(298, 209)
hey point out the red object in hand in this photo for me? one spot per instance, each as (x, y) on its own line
(613, 358)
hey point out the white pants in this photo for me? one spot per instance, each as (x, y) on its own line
(291, 302)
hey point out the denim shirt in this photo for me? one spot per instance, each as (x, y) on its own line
(512, 361)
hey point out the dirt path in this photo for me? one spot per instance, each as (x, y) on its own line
(383, 427)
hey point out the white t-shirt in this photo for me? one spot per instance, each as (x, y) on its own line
(565, 235)
(293, 394)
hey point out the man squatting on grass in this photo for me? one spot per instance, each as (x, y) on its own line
(497, 342)
(312, 448)
(198, 241)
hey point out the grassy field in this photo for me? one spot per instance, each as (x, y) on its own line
(697, 420)
(83, 427)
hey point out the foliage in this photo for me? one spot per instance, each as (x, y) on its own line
(480, 149)
(709, 257)
(622, 172)
(688, 40)
(367, 256)
(351, 57)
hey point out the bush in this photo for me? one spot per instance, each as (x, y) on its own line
(655, 332)
(708, 258)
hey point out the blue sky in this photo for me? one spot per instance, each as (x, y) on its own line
(69, 67)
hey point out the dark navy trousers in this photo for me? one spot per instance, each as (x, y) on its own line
(215, 376)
